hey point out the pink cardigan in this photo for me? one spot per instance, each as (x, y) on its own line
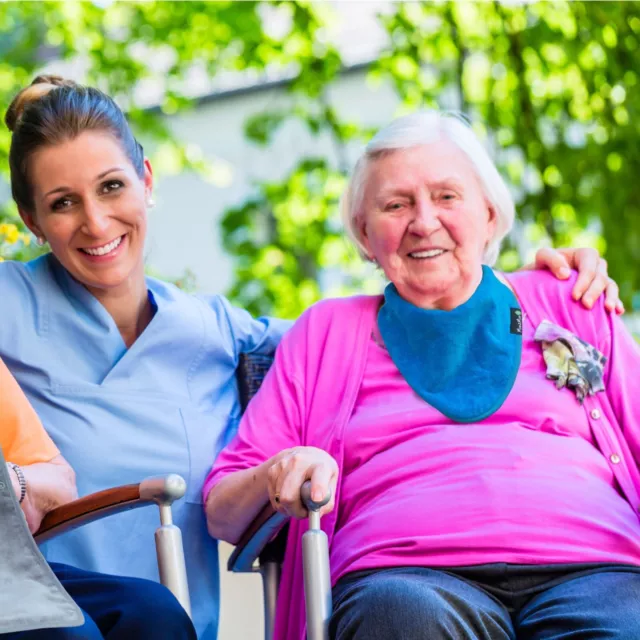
(308, 397)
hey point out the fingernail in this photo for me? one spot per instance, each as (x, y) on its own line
(565, 272)
(316, 495)
(588, 301)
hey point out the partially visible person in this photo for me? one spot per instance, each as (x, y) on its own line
(114, 608)
(479, 432)
(41, 478)
(131, 376)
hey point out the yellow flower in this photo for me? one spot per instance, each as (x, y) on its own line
(13, 236)
(10, 232)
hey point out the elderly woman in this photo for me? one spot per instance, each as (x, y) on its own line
(479, 433)
(113, 607)
(131, 376)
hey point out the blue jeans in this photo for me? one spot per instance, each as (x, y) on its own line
(116, 608)
(489, 602)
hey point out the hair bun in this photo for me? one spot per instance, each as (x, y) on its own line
(40, 87)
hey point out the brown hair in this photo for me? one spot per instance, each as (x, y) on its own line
(53, 110)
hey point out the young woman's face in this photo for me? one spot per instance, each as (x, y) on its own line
(91, 207)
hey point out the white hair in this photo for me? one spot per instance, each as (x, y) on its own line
(426, 127)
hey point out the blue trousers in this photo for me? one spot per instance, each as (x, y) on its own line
(489, 602)
(116, 608)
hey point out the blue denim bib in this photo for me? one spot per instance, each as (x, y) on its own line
(462, 362)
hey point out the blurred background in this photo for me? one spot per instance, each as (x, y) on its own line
(253, 112)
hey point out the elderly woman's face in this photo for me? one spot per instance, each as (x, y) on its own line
(426, 223)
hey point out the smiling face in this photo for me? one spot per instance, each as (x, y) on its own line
(90, 205)
(426, 222)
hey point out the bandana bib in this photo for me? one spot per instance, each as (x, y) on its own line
(463, 362)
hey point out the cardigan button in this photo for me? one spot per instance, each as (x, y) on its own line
(615, 458)
(595, 414)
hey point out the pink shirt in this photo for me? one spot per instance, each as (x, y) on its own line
(311, 392)
(527, 485)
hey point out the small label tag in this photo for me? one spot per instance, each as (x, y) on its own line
(516, 321)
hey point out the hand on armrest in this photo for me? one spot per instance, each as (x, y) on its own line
(49, 485)
(265, 537)
(162, 490)
(236, 500)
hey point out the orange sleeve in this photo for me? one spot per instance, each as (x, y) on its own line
(22, 436)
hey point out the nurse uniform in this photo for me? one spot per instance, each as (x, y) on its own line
(166, 405)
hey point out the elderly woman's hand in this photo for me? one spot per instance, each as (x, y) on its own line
(291, 469)
(592, 279)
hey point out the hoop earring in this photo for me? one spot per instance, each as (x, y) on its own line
(151, 203)
(40, 241)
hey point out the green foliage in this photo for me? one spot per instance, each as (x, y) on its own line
(556, 83)
(294, 223)
(124, 44)
(552, 86)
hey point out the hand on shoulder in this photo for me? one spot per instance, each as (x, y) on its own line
(592, 279)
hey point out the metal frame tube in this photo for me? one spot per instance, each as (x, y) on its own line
(270, 572)
(164, 491)
(317, 580)
(166, 516)
(314, 521)
(171, 565)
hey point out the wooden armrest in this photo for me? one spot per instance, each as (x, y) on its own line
(260, 532)
(162, 490)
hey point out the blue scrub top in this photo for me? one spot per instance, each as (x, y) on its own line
(166, 405)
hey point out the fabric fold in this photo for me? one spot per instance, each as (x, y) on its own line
(31, 597)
